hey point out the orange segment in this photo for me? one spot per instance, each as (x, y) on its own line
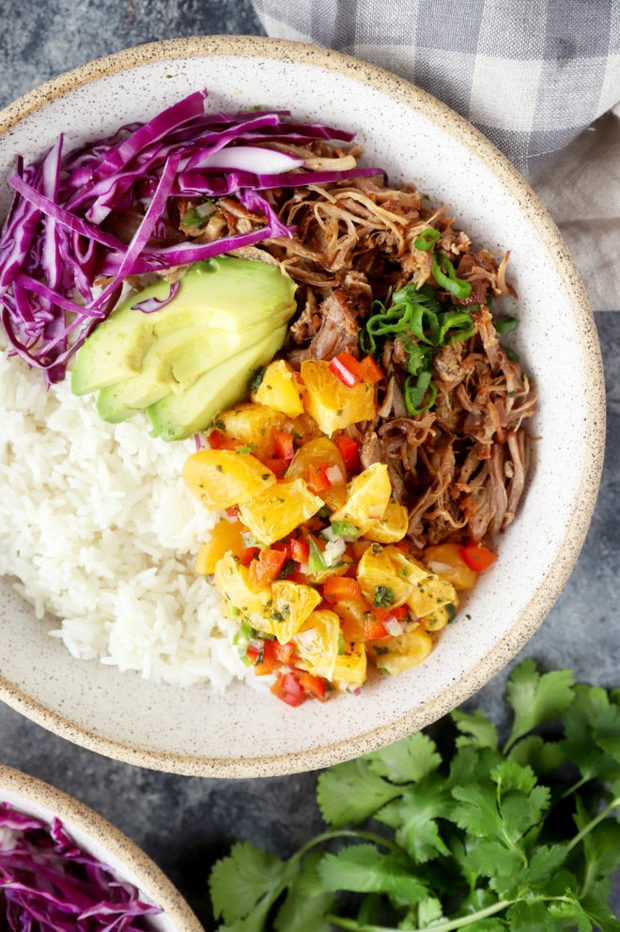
(279, 509)
(318, 454)
(225, 536)
(292, 604)
(446, 561)
(391, 527)
(332, 404)
(221, 478)
(429, 591)
(368, 496)
(232, 582)
(383, 586)
(317, 643)
(279, 390)
(404, 651)
(350, 668)
(252, 424)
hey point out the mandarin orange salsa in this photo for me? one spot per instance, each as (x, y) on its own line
(311, 555)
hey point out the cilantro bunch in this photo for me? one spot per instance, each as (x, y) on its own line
(479, 835)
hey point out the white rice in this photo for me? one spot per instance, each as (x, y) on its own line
(100, 531)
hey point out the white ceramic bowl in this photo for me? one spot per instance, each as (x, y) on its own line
(418, 139)
(94, 835)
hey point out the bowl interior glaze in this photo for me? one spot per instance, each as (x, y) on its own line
(417, 139)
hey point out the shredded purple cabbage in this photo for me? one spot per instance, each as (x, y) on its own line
(148, 305)
(48, 884)
(61, 271)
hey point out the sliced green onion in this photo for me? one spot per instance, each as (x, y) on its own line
(415, 391)
(198, 217)
(446, 277)
(427, 239)
(454, 327)
(506, 324)
(418, 357)
(420, 323)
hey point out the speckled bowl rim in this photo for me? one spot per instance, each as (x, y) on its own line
(79, 818)
(543, 600)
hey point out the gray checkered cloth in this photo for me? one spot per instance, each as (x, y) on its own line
(530, 74)
(540, 78)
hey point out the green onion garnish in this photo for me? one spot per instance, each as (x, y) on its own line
(427, 239)
(421, 324)
(506, 324)
(416, 390)
(445, 276)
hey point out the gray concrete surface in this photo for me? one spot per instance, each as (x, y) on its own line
(185, 823)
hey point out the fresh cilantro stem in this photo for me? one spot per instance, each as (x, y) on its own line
(333, 834)
(448, 926)
(579, 837)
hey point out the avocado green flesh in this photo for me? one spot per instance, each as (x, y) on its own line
(111, 353)
(226, 315)
(180, 415)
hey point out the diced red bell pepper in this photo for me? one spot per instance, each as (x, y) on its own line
(283, 654)
(346, 368)
(277, 465)
(288, 688)
(266, 566)
(268, 655)
(399, 612)
(477, 556)
(373, 627)
(217, 439)
(284, 445)
(341, 587)
(312, 685)
(316, 477)
(371, 370)
(349, 450)
(300, 550)
(248, 555)
(261, 658)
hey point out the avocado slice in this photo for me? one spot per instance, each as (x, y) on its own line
(222, 307)
(112, 352)
(179, 415)
(172, 362)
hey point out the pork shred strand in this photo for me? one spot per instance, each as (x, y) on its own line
(461, 468)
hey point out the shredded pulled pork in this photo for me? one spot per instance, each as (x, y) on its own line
(461, 467)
